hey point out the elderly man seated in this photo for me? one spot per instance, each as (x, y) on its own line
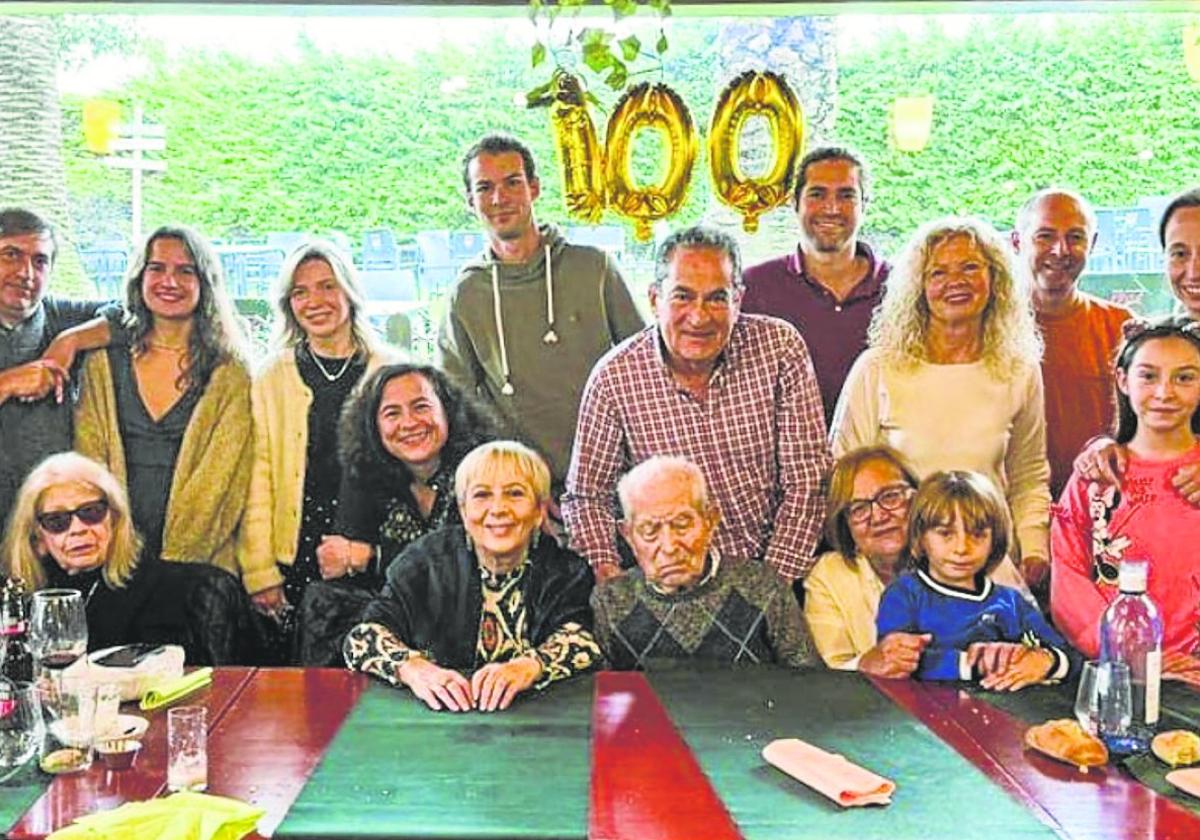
(684, 601)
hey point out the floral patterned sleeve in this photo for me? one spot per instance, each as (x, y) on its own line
(374, 649)
(568, 651)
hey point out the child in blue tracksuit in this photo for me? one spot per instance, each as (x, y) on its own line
(972, 628)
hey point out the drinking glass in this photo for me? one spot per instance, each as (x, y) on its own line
(1087, 700)
(70, 707)
(58, 627)
(1114, 700)
(20, 725)
(187, 748)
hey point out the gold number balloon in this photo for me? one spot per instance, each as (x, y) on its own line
(579, 152)
(659, 108)
(761, 94)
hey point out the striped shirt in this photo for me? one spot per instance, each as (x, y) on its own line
(758, 436)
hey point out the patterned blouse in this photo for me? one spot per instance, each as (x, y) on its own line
(374, 649)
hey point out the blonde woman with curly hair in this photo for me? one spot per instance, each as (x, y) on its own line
(951, 377)
(72, 528)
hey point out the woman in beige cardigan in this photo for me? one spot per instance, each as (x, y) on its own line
(169, 415)
(323, 346)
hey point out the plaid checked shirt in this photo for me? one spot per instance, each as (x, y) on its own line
(759, 437)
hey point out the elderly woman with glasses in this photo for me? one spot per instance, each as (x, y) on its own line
(870, 490)
(473, 615)
(71, 528)
(952, 376)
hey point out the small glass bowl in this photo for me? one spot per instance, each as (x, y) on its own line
(119, 753)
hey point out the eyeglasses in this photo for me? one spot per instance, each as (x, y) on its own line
(889, 499)
(58, 521)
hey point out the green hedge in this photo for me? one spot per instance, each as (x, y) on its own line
(334, 142)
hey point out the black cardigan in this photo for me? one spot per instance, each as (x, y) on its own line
(433, 596)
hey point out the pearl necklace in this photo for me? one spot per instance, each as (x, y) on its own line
(331, 377)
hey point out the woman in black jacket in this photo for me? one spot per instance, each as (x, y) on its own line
(472, 616)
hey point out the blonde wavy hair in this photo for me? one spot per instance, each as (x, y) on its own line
(899, 328)
(288, 332)
(19, 552)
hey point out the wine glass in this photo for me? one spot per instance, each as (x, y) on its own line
(58, 631)
(20, 725)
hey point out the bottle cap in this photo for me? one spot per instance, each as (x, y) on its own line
(1132, 577)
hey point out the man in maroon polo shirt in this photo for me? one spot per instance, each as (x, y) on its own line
(829, 286)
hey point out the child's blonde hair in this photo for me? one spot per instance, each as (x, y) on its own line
(944, 496)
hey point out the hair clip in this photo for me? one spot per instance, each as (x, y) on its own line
(1191, 328)
(1134, 327)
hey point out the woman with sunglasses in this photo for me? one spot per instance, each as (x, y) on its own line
(870, 490)
(71, 529)
(169, 415)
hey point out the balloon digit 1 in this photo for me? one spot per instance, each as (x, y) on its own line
(579, 152)
(752, 94)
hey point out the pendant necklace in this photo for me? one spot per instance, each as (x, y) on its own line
(331, 377)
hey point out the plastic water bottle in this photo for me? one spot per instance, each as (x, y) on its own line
(1131, 631)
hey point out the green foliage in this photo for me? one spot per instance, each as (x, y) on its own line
(347, 143)
(1099, 103)
(594, 44)
(335, 143)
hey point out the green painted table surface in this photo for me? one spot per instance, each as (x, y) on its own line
(398, 769)
(727, 718)
(19, 791)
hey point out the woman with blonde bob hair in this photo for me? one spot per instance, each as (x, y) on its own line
(473, 615)
(323, 347)
(71, 529)
(951, 377)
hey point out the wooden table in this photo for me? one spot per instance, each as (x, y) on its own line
(1103, 803)
(268, 729)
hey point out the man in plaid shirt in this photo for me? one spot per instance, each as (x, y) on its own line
(735, 394)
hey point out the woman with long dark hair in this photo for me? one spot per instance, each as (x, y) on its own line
(169, 414)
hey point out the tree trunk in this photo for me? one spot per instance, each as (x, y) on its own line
(31, 158)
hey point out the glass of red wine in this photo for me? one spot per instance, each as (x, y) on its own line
(58, 633)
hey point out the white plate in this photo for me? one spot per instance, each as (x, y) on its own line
(1187, 781)
(128, 726)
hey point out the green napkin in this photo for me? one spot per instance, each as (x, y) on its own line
(172, 690)
(182, 816)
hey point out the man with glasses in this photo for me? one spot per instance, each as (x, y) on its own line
(733, 393)
(685, 600)
(828, 287)
(39, 339)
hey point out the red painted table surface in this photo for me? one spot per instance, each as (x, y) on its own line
(274, 734)
(99, 789)
(1102, 803)
(645, 781)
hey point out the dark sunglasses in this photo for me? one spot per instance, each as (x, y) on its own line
(58, 521)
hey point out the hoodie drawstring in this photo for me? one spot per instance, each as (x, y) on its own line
(551, 337)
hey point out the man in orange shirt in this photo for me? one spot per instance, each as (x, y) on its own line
(1054, 234)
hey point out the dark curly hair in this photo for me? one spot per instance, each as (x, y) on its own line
(367, 462)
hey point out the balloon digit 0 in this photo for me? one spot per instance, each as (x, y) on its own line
(660, 108)
(752, 94)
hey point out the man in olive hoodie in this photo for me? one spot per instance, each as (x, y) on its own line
(528, 318)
